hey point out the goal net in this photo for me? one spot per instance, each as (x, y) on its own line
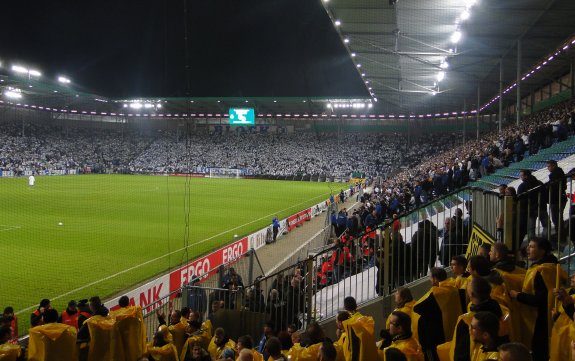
(225, 173)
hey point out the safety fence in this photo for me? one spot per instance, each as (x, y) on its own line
(400, 251)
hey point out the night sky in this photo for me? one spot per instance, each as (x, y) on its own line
(128, 48)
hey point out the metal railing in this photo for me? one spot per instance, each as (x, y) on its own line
(397, 252)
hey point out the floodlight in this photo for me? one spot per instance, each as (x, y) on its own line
(362, 74)
(159, 106)
(370, 105)
(13, 93)
(444, 65)
(148, 105)
(358, 65)
(440, 76)
(456, 36)
(19, 69)
(470, 3)
(34, 73)
(465, 15)
(353, 55)
(136, 105)
(63, 79)
(346, 41)
(337, 23)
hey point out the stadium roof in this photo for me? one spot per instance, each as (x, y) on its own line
(400, 48)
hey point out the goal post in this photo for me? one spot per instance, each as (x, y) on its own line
(225, 173)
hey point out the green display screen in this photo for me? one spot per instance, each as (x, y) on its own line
(242, 116)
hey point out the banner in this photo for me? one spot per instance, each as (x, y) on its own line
(478, 237)
(208, 265)
(258, 239)
(145, 295)
(298, 218)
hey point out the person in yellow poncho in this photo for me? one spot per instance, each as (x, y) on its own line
(479, 291)
(162, 347)
(311, 342)
(435, 314)
(246, 343)
(459, 268)
(562, 323)
(52, 340)
(131, 332)
(176, 327)
(513, 277)
(402, 338)
(537, 293)
(404, 302)
(340, 334)
(219, 345)
(479, 266)
(484, 330)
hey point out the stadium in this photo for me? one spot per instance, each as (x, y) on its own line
(302, 180)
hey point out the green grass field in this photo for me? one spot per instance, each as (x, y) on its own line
(111, 223)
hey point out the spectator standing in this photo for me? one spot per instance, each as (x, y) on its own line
(557, 198)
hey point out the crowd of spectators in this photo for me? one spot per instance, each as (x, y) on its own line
(50, 148)
(288, 154)
(491, 309)
(428, 165)
(443, 172)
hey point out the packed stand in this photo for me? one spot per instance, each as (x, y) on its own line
(444, 172)
(288, 154)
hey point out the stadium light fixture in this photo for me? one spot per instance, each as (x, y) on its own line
(358, 65)
(362, 74)
(465, 15)
(35, 73)
(346, 41)
(456, 36)
(337, 23)
(19, 69)
(353, 55)
(64, 80)
(13, 93)
(470, 3)
(440, 76)
(444, 65)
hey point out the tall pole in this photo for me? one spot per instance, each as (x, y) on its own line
(477, 110)
(518, 105)
(572, 77)
(464, 119)
(500, 94)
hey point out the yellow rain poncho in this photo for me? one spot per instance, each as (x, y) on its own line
(52, 342)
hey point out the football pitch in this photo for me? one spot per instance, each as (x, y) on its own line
(72, 237)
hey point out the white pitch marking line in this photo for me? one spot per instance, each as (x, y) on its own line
(158, 258)
(6, 227)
